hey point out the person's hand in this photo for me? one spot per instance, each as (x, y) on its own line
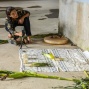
(29, 39)
(18, 33)
(21, 21)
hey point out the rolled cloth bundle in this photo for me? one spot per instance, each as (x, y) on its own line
(55, 40)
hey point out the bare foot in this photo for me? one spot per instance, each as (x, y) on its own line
(29, 39)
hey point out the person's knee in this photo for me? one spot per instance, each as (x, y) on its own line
(9, 36)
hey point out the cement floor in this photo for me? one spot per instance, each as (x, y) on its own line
(42, 21)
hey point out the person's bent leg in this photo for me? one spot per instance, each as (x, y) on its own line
(27, 28)
(9, 36)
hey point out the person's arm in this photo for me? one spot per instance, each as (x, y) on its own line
(24, 15)
(9, 28)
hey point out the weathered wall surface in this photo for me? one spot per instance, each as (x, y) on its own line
(74, 21)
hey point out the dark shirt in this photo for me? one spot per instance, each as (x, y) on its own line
(10, 24)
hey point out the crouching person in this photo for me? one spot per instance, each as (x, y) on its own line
(16, 17)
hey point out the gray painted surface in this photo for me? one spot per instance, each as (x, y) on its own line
(74, 22)
(82, 1)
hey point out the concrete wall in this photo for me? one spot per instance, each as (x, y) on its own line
(74, 21)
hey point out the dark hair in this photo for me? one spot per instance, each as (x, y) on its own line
(8, 10)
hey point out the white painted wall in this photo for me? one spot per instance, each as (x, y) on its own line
(74, 21)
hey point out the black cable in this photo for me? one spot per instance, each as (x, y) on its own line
(22, 39)
(21, 42)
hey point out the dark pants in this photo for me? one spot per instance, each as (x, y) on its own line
(26, 25)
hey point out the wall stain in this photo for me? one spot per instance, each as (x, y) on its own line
(2, 10)
(42, 19)
(3, 7)
(15, 7)
(19, 8)
(35, 7)
(2, 26)
(61, 28)
(54, 13)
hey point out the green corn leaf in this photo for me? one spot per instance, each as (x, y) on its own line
(80, 83)
(3, 41)
(49, 55)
